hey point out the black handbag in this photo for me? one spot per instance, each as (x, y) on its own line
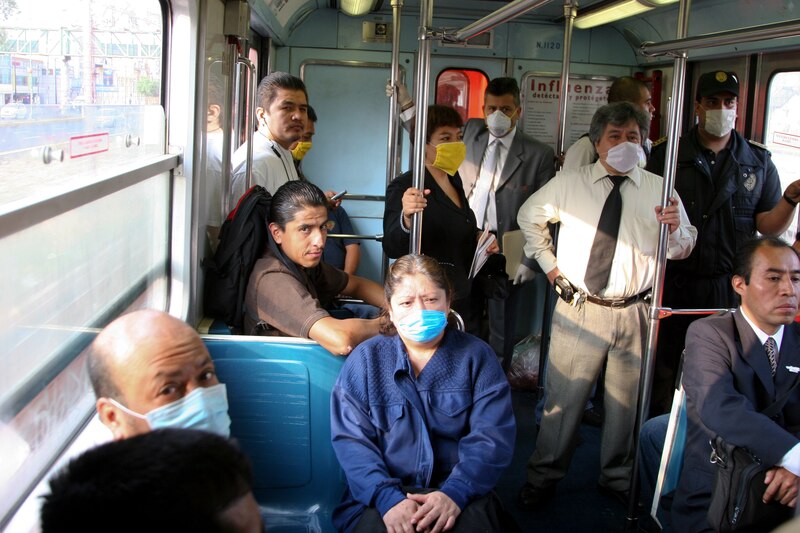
(736, 496)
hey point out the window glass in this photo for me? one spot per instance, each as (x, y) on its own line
(80, 119)
(462, 89)
(782, 129)
(78, 80)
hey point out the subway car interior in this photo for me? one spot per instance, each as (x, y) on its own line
(109, 201)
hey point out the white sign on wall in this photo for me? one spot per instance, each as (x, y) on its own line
(540, 97)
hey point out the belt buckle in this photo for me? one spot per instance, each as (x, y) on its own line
(618, 304)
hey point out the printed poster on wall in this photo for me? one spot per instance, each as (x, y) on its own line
(540, 97)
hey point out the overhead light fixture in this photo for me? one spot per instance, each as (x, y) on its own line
(616, 11)
(357, 8)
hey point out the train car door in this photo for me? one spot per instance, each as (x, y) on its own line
(453, 82)
(776, 117)
(348, 92)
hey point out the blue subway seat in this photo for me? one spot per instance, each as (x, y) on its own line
(279, 395)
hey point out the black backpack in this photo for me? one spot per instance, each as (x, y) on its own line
(241, 242)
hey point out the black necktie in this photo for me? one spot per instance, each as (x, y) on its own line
(771, 347)
(605, 240)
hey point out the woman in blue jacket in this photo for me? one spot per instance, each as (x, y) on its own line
(421, 417)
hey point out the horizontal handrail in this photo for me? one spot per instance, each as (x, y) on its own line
(18, 216)
(790, 28)
(378, 237)
(504, 14)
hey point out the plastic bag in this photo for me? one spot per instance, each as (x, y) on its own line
(524, 371)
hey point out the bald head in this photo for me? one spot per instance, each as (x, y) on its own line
(144, 360)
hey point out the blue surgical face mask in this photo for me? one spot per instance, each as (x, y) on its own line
(422, 325)
(204, 408)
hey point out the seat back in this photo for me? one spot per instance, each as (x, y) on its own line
(279, 402)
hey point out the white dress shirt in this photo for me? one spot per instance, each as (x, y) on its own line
(273, 166)
(581, 153)
(575, 199)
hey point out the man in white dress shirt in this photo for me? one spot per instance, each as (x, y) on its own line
(609, 216)
(281, 114)
(624, 89)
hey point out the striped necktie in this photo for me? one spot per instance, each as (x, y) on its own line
(771, 347)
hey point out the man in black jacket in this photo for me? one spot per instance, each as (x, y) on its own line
(730, 189)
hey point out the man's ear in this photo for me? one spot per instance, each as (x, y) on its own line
(110, 416)
(276, 232)
(739, 285)
(214, 111)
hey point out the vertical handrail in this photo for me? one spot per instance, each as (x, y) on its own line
(394, 118)
(648, 358)
(251, 97)
(231, 53)
(570, 12)
(392, 151)
(422, 80)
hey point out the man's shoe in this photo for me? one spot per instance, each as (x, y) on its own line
(592, 417)
(531, 498)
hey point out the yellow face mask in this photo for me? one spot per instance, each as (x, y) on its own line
(300, 151)
(449, 156)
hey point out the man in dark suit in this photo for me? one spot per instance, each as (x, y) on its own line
(737, 364)
(503, 167)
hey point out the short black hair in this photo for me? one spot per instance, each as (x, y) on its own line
(293, 196)
(502, 87)
(743, 260)
(440, 116)
(164, 480)
(626, 89)
(617, 114)
(312, 115)
(269, 86)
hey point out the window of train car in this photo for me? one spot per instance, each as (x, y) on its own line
(462, 89)
(782, 129)
(84, 208)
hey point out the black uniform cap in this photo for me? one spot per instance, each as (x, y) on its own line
(715, 82)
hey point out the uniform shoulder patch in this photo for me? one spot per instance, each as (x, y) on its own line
(662, 140)
(757, 144)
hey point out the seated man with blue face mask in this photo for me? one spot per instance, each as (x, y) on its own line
(151, 370)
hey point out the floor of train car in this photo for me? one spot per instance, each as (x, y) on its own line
(577, 506)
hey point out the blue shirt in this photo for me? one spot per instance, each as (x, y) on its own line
(334, 251)
(451, 427)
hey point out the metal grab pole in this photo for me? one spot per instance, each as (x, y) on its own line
(504, 14)
(251, 99)
(570, 12)
(394, 119)
(231, 55)
(648, 359)
(422, 80)
(777, 30)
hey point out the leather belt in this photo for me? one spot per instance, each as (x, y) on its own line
(618, 303)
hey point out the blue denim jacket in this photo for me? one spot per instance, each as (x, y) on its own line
(452, 427)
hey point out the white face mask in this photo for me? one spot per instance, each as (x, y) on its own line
(720, 122)
(498, 123)
(625, 156)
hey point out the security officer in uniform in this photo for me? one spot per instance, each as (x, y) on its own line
(730, 189)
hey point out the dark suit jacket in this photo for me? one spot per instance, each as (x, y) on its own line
(529, 165)
(727, 381)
